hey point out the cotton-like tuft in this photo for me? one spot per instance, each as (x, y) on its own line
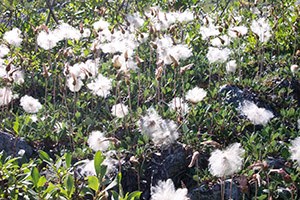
(30, 104)
(231, 66)
(295, 150)
(226, 162)
(65, 31)
(258, 116)
(237, 31)
(101, 25)
(13, 37)
(217, 55)
(97, 141)
(195, 95)
(262, 29)
(160, 131)
(165, 190)
(74, 84)
(4, 50)
(209, 30)
(47, 40)
(119, 110)
(87, 168)
(101, 86)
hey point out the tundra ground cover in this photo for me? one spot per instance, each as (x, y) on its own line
(101, 87)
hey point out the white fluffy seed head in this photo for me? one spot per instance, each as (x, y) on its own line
(295, 150)
(74, 84)
(294, 68)
(217, 55)
(195, 95)
(262, 29)
(119, 110)
(97, 141)
(30, 104)
(231, 66)
(227, 162)
(258, 116)
(160, 131)
(165, 190)
(101, 86)
(13, 37)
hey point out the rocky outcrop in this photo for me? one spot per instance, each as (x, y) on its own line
(14, 146)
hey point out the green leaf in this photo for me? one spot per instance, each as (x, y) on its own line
(35, 176)
(69, 184)
(44, 156)
(42, 181)
(134, 195)
(93, 183)
(262, 197)
(16, 125)
(98, 159)
(77, 114)
(112, 184)
(103, 169)
(68, 158)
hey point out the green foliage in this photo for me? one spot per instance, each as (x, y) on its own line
(60, 130)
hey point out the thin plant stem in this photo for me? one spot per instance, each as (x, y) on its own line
(256, 188)
(230, 189)
(222, 188)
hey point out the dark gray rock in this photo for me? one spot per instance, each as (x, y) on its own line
(214, 193)
(232, 94)
(170, 162)
(275, 163)
(12, 145)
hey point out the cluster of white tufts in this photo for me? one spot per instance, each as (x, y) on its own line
(160, 131)
(237, 31)
(219, 39)
(118, 40)
(170, 53)
(13, 37)
(262, 29)
(226, 162)
(161, 20)
(217, 55)
(78, 72)
(258, 116)
(295, 150)
(119, 110)
(30, 104)
(48, 39)
(208, 29)
(100, 86)
(165, 190)
(195, 95)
